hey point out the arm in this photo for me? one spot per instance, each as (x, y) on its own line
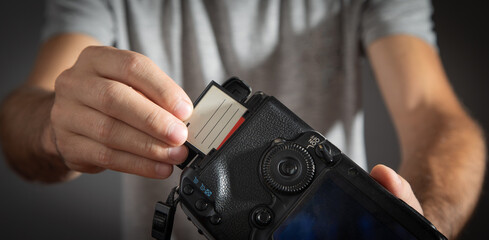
(443, 153)
(79, 112)
(25, 113)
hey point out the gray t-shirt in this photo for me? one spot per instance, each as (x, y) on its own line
(308, 54)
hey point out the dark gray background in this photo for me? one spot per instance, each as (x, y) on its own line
(88, 207)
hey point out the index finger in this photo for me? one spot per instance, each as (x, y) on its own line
(139, 72)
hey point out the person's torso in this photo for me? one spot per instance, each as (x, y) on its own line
(305, 53)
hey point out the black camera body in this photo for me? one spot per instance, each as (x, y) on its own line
(269, 179)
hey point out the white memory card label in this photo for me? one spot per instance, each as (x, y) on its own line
(215, 117)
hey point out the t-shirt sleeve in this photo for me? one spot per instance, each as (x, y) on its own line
(89, 17)
(387, 17)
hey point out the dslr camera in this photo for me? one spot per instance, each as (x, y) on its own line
(257, 171)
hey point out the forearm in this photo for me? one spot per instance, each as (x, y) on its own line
(443, 150)
(444, 160)
(26, 136)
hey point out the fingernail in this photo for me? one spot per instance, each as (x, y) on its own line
(177, 133)
(183, 110)
(178, 154)
(163, 170)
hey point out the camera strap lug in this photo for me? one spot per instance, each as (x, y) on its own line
(163, 217)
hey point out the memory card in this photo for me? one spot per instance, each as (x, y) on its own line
(215, 117)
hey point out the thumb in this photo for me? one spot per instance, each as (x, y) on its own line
(396, 184)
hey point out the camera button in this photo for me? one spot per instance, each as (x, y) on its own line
(187, 189)
(215, 219)
(324, 152)
(262, 216)
(201, 205)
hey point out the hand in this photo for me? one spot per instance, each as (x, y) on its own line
(397, 185)
(116, 109)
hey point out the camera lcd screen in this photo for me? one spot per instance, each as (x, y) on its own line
(339, 211)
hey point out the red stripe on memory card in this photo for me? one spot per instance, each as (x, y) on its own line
(236, 126)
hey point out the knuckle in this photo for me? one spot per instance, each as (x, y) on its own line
(90, 50)
(153, 120)
(132, 64)
(94, 51)
(138, 166)
(105, 129)
(151, 148)
(168, 93)
(63, 80)
(173, 98)
(171, 95)
(86, 52)
(108, 95)
(105, 157)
